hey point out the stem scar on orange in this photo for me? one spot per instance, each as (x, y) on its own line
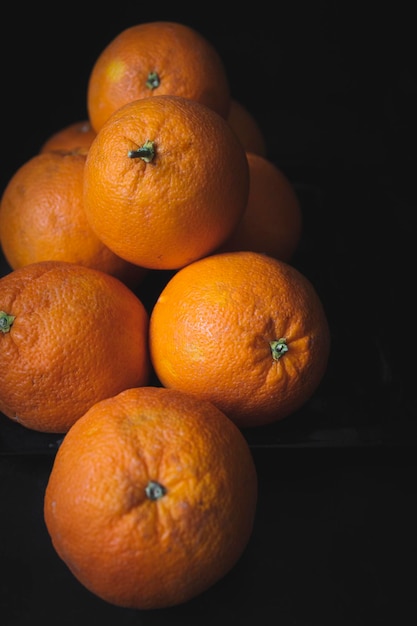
(243, 330)
(152, 498)
(166, 181)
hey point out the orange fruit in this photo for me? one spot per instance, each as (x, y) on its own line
(76, 137)
(166, 181)
(247, 128)
(156, 58)
(272, 221)
(70, 336)
(42, 218)
(151, 498)
(244, 331)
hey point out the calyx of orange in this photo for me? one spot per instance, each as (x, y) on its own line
(145, 152)
(154, 490)
(153, 81)
(6, 321)
(278, 348)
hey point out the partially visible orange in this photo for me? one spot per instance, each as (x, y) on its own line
(70, 336)
(152, 498)
(156, 58)
(75, 137)
(42, 217)
(247, 128)
(273, 220)
(244, 331)
(166, 182)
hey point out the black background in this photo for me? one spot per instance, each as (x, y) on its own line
(334, 88)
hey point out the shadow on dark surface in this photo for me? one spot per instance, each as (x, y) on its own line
(326, 549)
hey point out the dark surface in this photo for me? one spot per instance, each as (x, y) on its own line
(334, 543)
(335, 91)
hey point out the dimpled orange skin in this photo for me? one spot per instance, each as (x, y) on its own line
(211, 331)
(42, 217)
(78, 336)
(187, 64)
(179, 206)
(75, 137)
(273, 220)
(129, 549)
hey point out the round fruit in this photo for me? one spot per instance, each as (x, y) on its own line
(272, 221)
(42, 218)
(244, 331)
(166, 181)
(247, 128)
(70, 336)
(156, 58)
(75, 137)
(151, 498)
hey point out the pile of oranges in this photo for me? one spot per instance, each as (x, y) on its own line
(152, 495)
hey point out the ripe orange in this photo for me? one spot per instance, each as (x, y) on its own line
(75, 137)
(151, 498)
(272, 222)
(70, 336)
(247, 128)
(166, 182)
(42, 218)
(243, 330)
(156, 58)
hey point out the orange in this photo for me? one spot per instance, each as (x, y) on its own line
(151, 498)
(70, 336)
(244, 331)
(42, 217)
(75, 137)
(272, 222)
(156, 58)
(166, 182)
(247, 128)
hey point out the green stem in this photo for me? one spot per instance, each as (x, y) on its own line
(153, 81)
(145, 152)
(278, 348)
(155, 490)
(6, 321)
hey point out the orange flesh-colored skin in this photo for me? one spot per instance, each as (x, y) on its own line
(76, 137)
(272, 222)
(79, 336)
(211, 328)
(42, 217)
(247, 128)
(182, 205)
(187, 64)
(142, 553)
